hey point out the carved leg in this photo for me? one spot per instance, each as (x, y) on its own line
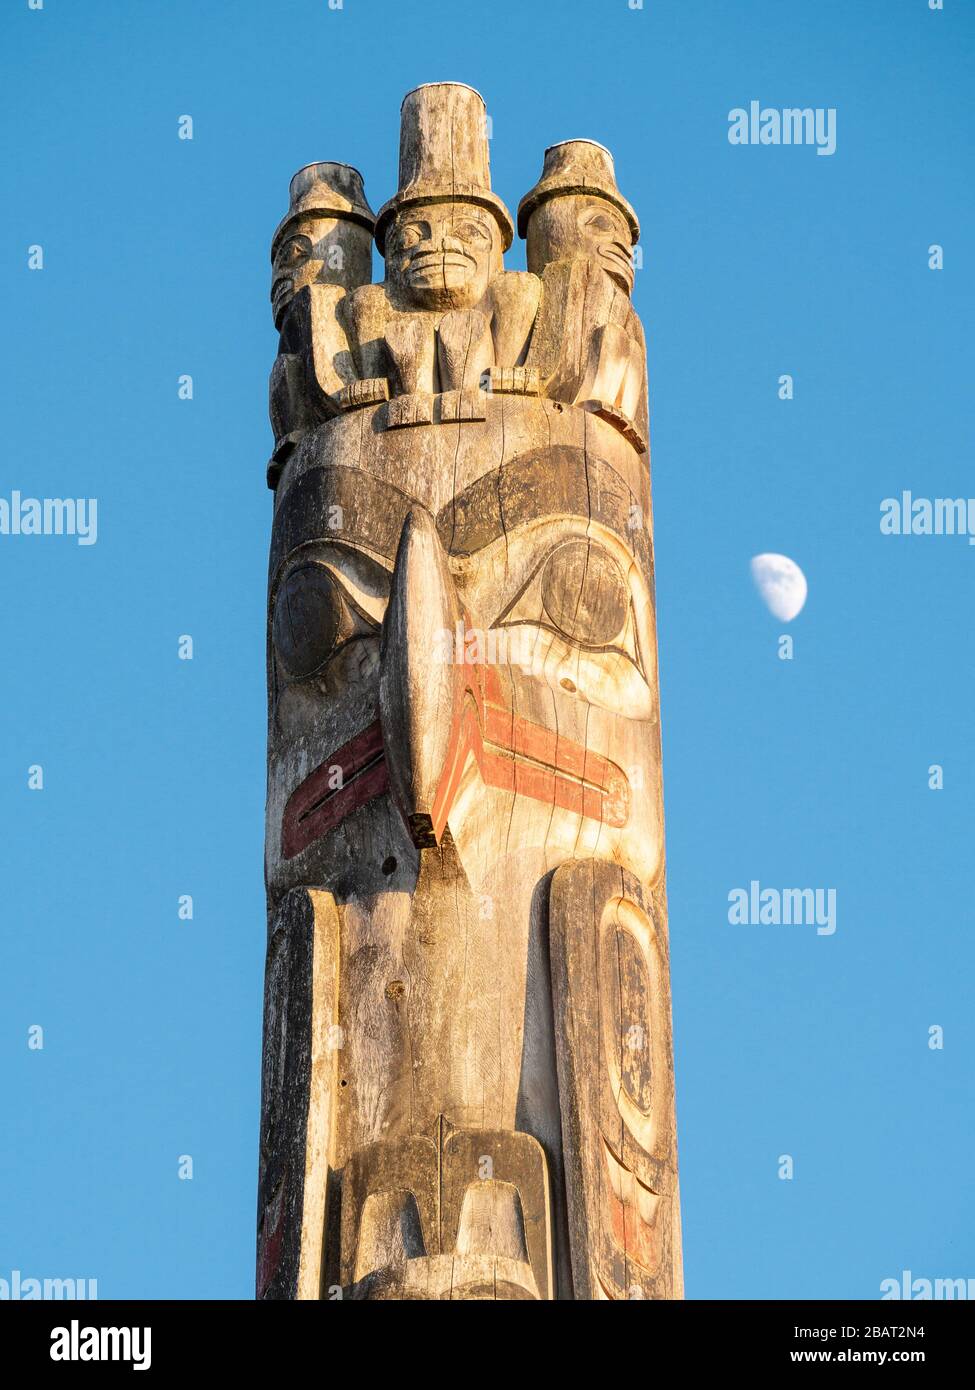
(462, 1215)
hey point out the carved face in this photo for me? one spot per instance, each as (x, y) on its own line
(473, 659)
(443, 255)
(572, 225)
(318, 250)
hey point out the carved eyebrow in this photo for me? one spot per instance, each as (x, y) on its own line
(371, 512)
(608, 214)
(500, 502)
(473, 222)
(555, 481)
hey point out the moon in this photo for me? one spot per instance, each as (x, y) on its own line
(781, 584)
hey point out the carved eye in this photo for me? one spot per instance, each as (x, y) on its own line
(410, 235)
(470, 231)
(601, 223)
(308, 612)
(295, 250)
(586, 621)
(584, 593)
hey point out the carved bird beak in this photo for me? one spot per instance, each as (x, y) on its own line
(417, 682)
(439, 708)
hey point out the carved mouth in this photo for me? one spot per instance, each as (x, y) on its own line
(617, 257)
(427, 264)
(353, 775)
(281, 290)
(322, 802)
(516, 754)
(512, 754)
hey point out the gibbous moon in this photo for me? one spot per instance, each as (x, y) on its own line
(781, 584)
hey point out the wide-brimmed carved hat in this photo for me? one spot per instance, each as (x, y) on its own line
(326, 190)
(579, 167)
(443, 155)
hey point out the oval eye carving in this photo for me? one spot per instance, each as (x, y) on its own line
(584, 593)
(470, 231)
(297, 249)
(307, 612)
(410, 234)
(599, 223)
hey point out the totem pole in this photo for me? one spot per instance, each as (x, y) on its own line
(468, 1083)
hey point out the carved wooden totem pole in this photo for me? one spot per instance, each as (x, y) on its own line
(468, 1086)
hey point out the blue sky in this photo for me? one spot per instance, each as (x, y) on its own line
(758, 261)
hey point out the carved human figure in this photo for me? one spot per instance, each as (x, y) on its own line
(447, 311)
(589, 347)
(576, 209)
(321, 249)
(468, 1073)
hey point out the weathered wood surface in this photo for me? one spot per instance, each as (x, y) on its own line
(468, 1078)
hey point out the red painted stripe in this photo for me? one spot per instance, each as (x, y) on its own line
(511, 752)
(314, 808)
